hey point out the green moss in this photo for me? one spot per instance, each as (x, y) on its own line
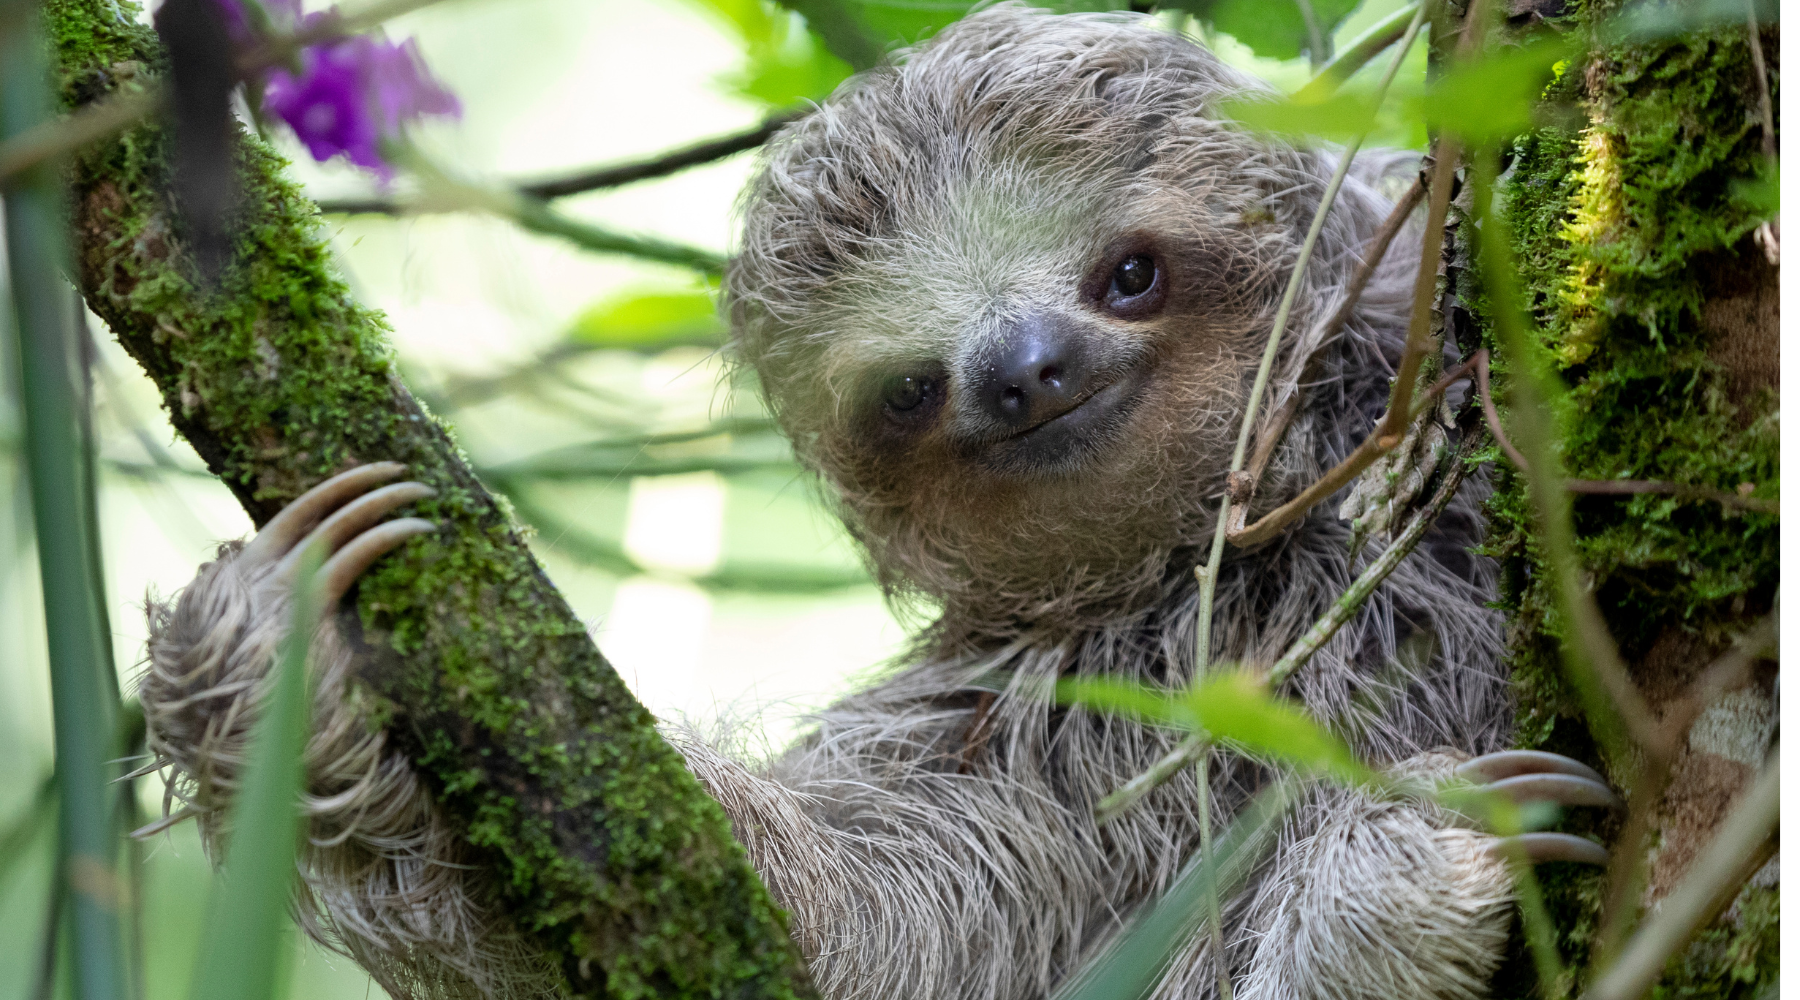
(612, 855)
(1621, 231)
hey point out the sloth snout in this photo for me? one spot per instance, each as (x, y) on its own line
(1037, 371)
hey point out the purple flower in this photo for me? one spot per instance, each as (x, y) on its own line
(352, 93)
(348, 93)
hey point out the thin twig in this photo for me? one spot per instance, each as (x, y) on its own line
(661, 165)
(1316, 53)
(1356, 55)
(50, 140)
(330, 26)
(1125, 796)
(1613, 703)
(1214, 923)
(1741, 847)
(1373, 447)
(1686, 491)
(1373, 252)
(1238, 483)
(1418, 334)
(1191, 749)
(1625, 873)
(1765, 104)
(537, 216)
(1346, 606)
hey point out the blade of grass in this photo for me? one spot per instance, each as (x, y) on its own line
(83, 683)
(243, 942)
(1130, 965)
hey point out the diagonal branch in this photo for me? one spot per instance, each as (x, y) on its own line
(599, 178)
(616, 863)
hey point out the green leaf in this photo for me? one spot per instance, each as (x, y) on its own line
(1129, 698)
(1495, 97)
(784, 63)
(1236, 707)
(1340, 116)
(1129, 965)
(1239, 707)
(1273, 29)
(244, 942)
(650, 320)
(908, 22)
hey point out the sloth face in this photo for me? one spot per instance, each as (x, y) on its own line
(1006, 300)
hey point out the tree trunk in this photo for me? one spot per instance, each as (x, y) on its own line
(1634, 236)
(612, 857)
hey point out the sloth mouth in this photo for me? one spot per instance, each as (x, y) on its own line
(1064, 441)
(1070, 413)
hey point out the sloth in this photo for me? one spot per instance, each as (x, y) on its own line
(1006, 295)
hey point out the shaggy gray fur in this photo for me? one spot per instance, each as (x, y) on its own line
(932, 841)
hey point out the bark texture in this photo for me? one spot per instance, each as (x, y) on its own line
(611, 856)
(1634, 236)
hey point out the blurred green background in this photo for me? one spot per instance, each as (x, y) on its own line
(587, 388)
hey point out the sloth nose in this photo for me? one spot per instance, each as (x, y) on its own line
(1035, 373)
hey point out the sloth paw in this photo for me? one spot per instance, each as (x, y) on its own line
(342, 517)
(1530, 776)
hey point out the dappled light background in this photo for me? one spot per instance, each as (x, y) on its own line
(663, 505)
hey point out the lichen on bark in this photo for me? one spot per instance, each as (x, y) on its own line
(1633, 239)
(612, 857)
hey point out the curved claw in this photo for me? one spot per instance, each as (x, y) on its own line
(354, 559)
(1563, 789)
(349, 521)
(284, 530)
(1512, 763)
(1537, 848)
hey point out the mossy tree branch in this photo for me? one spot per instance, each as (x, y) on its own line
(1659, 316)
(610, 854)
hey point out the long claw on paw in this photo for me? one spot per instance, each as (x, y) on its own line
(1563, 789)
(351, 520)
(1512, 763)
(1538, 848)
(279, 536)
(354, 559)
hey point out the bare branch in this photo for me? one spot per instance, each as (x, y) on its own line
(50, 140)
(1345, 607)
(661, 165)
(1373, 447)
(1372, 256)
(1625, 874)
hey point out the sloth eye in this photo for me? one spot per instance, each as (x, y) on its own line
(906, 392)
(1133, 276)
